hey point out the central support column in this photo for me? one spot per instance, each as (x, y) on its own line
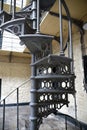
(33, 103)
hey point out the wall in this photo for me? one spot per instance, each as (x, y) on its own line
(79, 110)
(81, 93)
(13, 75)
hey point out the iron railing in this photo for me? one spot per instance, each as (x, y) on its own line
(72, 120)
(3, 103)
(12, 5)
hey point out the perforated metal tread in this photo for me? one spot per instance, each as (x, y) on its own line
(56, 91)
(55, 77)
(53, 59)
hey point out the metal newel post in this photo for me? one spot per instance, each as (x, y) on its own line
(14, 9)
(71, 46)
(33, 103)
(38, 16)
(2, 3)
(11, 6)
(34, 14)
(21, 4)
(61, 28)
(17, 108)
(4, 114)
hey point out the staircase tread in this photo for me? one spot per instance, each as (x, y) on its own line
(34, 42)
(62, 90)
(45, 103)
(53, 59)
(58, 76)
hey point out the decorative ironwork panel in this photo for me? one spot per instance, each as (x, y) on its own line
(16, 29)
(46, 49)
(53, 69)
(57, 84)
(49, 103)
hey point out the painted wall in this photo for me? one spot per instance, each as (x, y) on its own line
(79, 110)
(81, 94)
(13, 75)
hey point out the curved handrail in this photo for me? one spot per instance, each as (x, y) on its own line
(15, 89)
(72, 120)
(4, 104)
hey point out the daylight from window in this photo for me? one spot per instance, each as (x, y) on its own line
(10, 42)
(18, 2)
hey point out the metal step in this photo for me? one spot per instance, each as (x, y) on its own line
(56, 91)
(53, 59)
(37, 42)
(54, 77)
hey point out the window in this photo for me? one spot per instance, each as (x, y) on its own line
(11, 42)
(85, 71)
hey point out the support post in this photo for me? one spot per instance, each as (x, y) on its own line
(17, 108)
(21, 4)
(38, 16)
(61, 28)
(2, 4)
(3, 115)
(33, 103)
(14, 9)
(34, 14)
(71, 46)
(11, 6)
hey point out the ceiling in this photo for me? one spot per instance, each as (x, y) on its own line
(78, 11)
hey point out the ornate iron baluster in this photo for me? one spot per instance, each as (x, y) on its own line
(17, 108)
(3, 114)
(2, 4)
(14, 9)
(61, 28)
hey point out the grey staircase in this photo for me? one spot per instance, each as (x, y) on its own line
(52, 77)
(54, 82)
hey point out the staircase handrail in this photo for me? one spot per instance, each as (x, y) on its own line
(16, 89)
(72, 120)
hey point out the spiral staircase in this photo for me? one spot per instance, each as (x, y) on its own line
(52, 76)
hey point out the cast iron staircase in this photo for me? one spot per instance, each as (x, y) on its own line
(52, 77)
